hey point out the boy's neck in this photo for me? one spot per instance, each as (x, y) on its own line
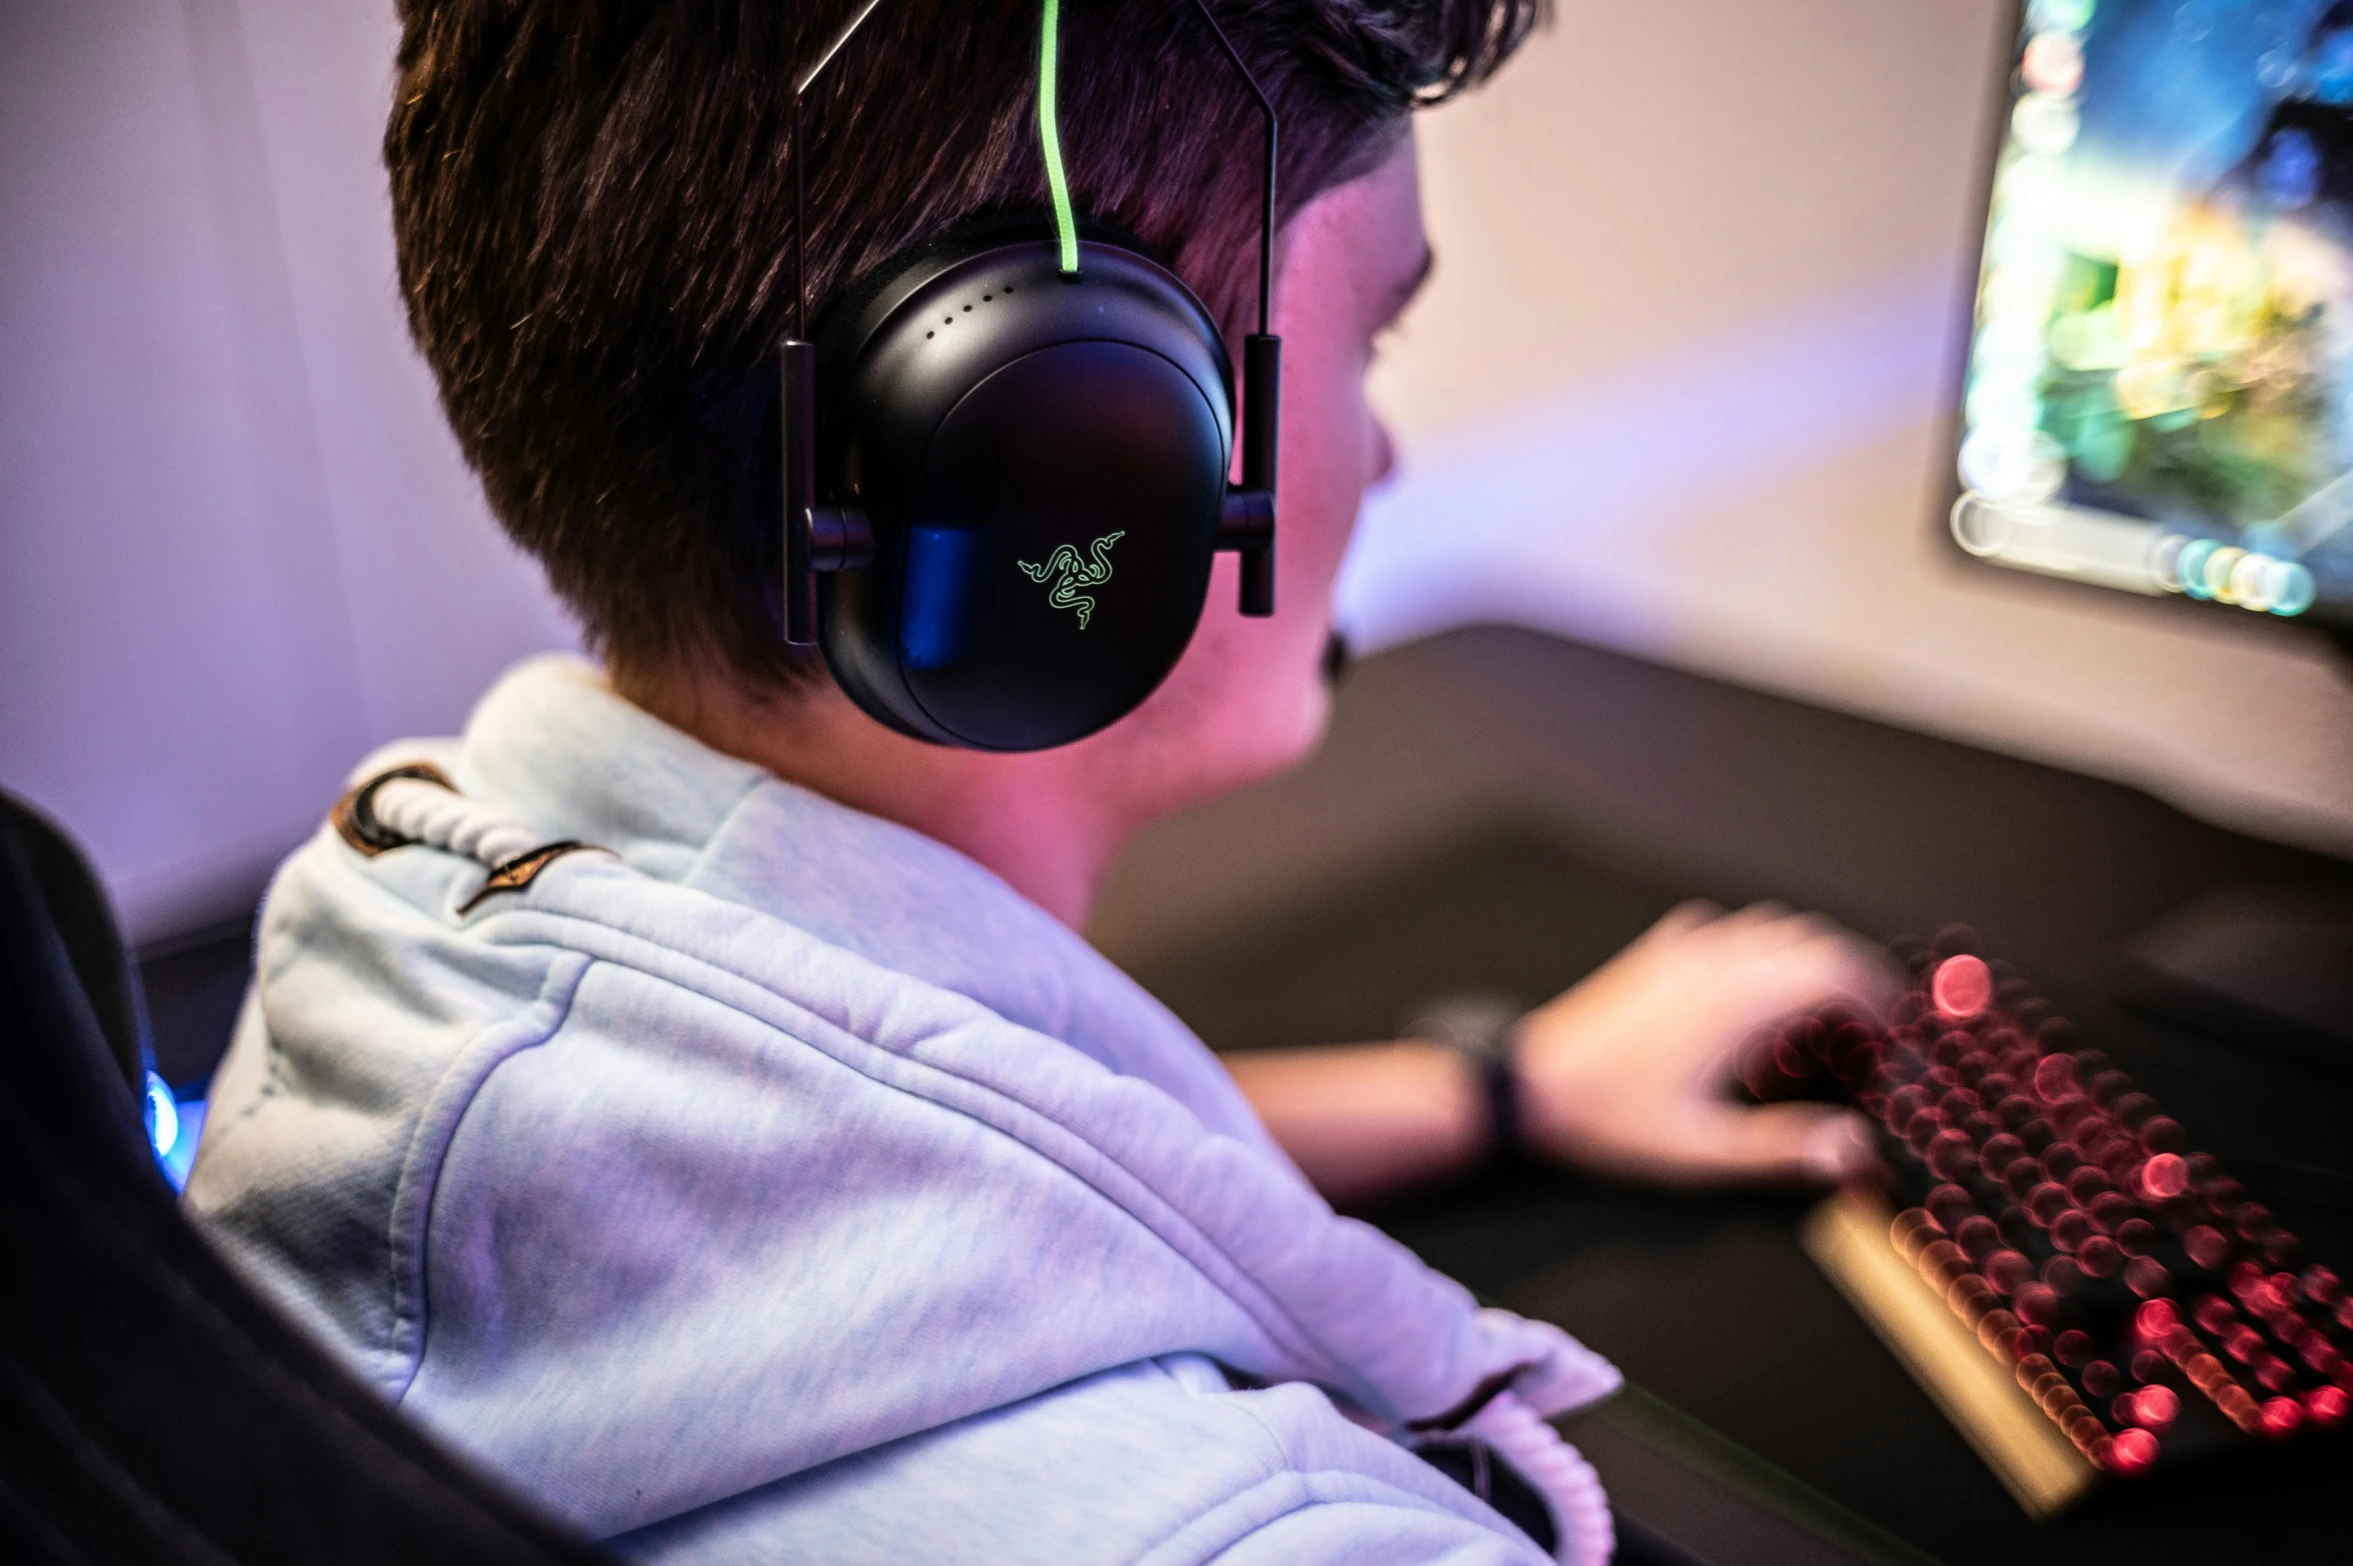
(1045, 822)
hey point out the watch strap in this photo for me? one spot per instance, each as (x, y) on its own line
(1482, 1029)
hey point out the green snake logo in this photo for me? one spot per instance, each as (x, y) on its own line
(1072, 571)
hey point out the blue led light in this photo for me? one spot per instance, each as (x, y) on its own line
(173, 1129)
(163, 1117)
(945, 617)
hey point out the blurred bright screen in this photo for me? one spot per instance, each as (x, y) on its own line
(2160, 389)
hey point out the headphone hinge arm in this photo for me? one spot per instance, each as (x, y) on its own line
(840, 538)
(1246, 521)
(1246, 525)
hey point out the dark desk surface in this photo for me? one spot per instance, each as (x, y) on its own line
(1649, 786)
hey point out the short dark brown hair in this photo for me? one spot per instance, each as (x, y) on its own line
(592, 203)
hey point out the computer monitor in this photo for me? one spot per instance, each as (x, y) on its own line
(2159, 388)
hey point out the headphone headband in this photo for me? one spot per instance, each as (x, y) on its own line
(1050, 136)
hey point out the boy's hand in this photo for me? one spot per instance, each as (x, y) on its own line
(1629, 1072)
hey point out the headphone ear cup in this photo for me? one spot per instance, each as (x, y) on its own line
(1042, 460)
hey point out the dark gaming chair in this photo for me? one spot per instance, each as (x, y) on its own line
(152, 1408)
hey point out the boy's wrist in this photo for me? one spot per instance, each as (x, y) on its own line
(1482, 1032)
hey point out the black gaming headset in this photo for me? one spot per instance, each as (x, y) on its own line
(1008, 461)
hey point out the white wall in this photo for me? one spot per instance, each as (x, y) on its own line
(237, 546)
(1680, 387)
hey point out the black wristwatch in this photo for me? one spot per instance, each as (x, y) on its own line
(1481, 1029)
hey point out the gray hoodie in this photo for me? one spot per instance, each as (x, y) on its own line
(768, 1181)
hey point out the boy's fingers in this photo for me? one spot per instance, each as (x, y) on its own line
(1810, 1143)
(1828, 968)
(1680, 920)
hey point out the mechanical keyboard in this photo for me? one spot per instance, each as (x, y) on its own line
(2088, 1296)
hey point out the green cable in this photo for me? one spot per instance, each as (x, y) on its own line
(1050, 135)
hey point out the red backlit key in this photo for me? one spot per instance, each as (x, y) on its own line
(1962, 986)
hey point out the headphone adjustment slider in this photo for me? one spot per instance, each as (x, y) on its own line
(1247, 520)
(798, 406)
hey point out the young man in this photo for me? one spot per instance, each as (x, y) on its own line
(788, 1178)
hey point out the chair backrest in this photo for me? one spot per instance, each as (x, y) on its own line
(152, 1407)
(78, 911)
